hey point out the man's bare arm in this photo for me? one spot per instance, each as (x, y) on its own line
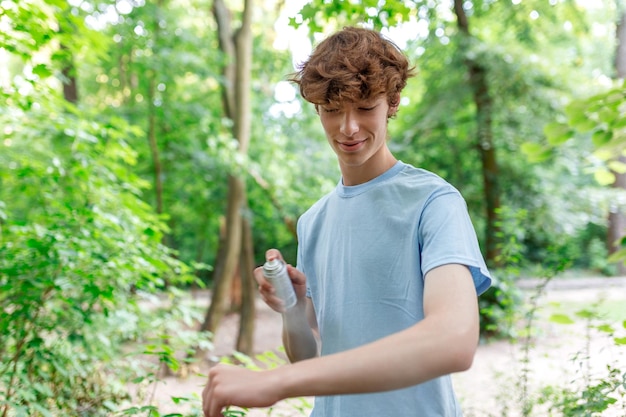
(444, 342)
(300, 333)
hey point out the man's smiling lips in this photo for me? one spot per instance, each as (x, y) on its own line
(351, 146)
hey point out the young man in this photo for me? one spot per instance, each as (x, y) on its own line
(388, 269)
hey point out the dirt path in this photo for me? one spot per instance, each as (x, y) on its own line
(492, 386)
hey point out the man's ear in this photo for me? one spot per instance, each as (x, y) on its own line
(394, 103)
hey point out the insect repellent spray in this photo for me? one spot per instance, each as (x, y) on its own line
(276, 273)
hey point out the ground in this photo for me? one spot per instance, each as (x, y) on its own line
(559, 354)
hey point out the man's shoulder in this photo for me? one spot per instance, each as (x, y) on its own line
(419, 180)
(419, 176)
(317, 206)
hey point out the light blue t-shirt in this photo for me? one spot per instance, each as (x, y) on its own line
(365, 250)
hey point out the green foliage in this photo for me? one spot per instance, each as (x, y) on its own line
(315, 14)
(588, 250)
(79, 252)
(589, 395)
(601, 117)
(158, 71)
(598, 124)
(500, 305)
(78, 246)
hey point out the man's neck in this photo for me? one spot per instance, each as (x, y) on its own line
(355, 175)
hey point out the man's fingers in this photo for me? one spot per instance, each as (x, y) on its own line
(210, 406)
(273, 254)
(206, 399)
(216, 410)
(260, 279)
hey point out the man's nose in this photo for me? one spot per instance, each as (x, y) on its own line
(349, 124)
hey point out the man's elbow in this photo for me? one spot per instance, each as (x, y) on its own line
(464, 347)
(464, 360)
(305, 349)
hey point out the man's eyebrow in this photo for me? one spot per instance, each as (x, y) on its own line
(367, 103)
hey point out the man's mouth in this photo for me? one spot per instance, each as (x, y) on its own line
(351, 146)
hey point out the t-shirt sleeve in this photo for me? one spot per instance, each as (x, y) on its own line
(447, 236)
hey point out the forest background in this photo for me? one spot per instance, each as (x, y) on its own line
(152, 149)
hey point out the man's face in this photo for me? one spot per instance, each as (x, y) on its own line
(357, 132)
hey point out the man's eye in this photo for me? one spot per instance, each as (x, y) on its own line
(367, 108)
(330, 110)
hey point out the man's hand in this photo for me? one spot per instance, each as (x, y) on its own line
(267, 291)
(233, 385)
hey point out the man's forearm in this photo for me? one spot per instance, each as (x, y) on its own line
(403, 359)
(298, 338)
(444, 342)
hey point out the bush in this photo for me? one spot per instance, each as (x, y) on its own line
(77, 248)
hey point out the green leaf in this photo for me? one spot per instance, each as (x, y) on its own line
(606, 328)
(561, 319)
(620, 123)
(535, 152)
(576, 110)
(604, 177)
(42, 71)
(618, 256)
(617, 166)
(43, 389)
(178, 400)
(557, 133)
(585, 314)
(234, 413)
(620, 340)
(607, 115)
(601, 137)
(158, 263)
(110, 405)
(584, 125)
(44, 411)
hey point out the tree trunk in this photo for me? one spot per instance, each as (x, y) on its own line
(226, 265)
(154, 147)
(620, 35)
(617, 220)
(236, 99)
(484, 109)
(68, 72)
(152, 122)
(70, 86)
(245, 339)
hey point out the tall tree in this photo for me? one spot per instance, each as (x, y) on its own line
(617, 219)
(484, 134)
(66, 31)
(152, 116)
(236, 248)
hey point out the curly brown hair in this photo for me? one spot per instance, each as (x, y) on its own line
(351, 65)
